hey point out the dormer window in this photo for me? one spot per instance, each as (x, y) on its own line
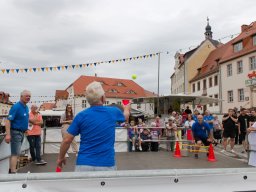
(254, 40)
(238, 46)
(130, 92)
(112, 91)
(119, 84)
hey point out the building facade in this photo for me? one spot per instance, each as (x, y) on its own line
(186, 66)
(237, 68)
(115, 90)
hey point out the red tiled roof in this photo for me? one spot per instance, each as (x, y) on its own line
(226, 52)
(47, 106)
(109, 84)
(61, 94)
(246, 37)
(149, 93)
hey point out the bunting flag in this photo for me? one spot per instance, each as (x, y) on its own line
(73, 66)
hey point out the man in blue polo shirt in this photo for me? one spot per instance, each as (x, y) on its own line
(96, 126)
(16, 125)
(202, 133)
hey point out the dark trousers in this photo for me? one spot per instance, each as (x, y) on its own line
(237, 137)
(145, 146)
(154, 146)
(35, 147)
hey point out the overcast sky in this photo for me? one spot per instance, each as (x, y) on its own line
(40, 33)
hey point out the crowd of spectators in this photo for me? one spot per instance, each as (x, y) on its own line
(225, 130)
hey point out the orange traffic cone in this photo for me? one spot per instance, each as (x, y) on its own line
(177, 150)
(211, 156)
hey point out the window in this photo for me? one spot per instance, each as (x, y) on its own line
(204, 84)
(106, 102)
(130, 92)
(239, 67)
(254, 40)
(229, 70)
(83, 104)
(198, 86)
(210, 82)
(210, 105)
(215, 80)
(216, 96)
(238, 46)
(230, 97)
(138, 106)
(112, 91)
(193, 87)
(240, 94)
(119, 103)
(252, 62)
(119, 84)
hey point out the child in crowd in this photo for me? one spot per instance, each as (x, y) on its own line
(217, 129)
(145, 138)
(155, 134)
(171, 129)
(140, 125)
(134, 136)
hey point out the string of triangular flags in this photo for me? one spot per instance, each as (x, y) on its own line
(74, 66)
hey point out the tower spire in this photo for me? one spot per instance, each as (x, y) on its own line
(208, 30)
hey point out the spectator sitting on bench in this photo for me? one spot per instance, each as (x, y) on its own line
(145, 138)
(134, 136)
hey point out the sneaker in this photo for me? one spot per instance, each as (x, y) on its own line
(232, 151)
(140, 148)
(41, 162)
(196, 156)
(243, 152)
(223, 151)
(133, 148)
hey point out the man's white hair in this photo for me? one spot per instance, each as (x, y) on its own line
(25, 92)
(94, 92)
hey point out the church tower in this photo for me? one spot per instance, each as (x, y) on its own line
(208, 30)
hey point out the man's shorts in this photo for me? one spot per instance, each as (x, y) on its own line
(204, 141)
(16, 142)
(229, 133)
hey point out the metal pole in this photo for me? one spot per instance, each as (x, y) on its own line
(44, 134)
(158, 83)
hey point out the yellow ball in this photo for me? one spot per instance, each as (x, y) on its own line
(134, 76)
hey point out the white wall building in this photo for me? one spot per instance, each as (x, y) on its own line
(115, 90)
(236, 66)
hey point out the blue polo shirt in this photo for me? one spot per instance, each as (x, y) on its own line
(19, 116)
(209, 118)
(201, 130)
(96, 126)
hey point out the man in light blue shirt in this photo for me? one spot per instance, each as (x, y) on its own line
(96, 126)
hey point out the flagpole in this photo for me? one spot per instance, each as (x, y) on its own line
(158, 105)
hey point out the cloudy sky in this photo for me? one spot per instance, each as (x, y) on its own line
(40, 33)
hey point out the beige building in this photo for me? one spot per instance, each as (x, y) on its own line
(237, 69)
(186, 65)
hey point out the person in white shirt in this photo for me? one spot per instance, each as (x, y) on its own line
(252, 143)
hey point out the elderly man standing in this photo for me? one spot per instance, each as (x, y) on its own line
(96, 126)
(16, 125)
(202, 133)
